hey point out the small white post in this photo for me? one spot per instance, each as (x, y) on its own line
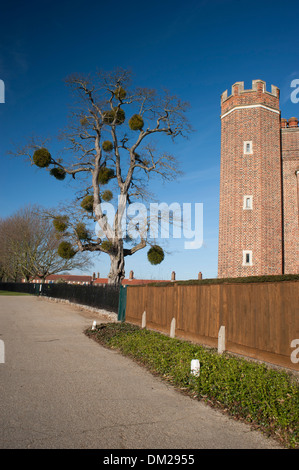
(143, 320)
(221, 340)
(94, 325)
(172, 328)
(195, 367)
(2, 352)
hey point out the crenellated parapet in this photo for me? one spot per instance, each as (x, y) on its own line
(256, 96)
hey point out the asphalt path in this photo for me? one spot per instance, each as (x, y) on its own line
(61, 390)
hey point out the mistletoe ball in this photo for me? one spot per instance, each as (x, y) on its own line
(155, 255)
(42, 158)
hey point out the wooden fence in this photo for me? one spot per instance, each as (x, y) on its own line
(260, 319)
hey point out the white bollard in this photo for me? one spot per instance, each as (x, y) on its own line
(172, 328)
(143, 320)
(195, 367)
(94, 325)
(2, 352)
(221, 340)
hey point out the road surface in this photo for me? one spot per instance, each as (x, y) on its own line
(61, 390)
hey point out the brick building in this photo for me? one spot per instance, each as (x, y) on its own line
(259, 185)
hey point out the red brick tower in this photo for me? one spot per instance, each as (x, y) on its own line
(250, 223)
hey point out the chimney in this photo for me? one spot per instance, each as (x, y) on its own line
(131, 276)
(199, 276)
(173, 276)
(293, 122)
(98, 276)
(93, 276)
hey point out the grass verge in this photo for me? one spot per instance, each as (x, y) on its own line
(6, 292)
(265, 397)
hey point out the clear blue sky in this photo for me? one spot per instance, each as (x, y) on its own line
(196, 49)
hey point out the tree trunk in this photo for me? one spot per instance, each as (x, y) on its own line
(117, 267)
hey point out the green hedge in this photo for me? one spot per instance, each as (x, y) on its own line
(229, 280)
(267, 398)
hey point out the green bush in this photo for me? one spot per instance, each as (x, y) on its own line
(58, 173)
(115, 115)
(155, 255)
(120, 93)
(81, 231)
(107, 246)
(87, 203)
(60, 223)
(136, 122)
(65, 250)
(265, 397)
(42, 158)
(107, 146)
(232, 280)
(107, 195)
(105, 175)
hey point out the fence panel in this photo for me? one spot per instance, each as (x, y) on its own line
(261, 318)
(24, 287)
(103, 297)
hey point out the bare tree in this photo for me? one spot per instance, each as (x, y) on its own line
(110, 140)
(28, 247)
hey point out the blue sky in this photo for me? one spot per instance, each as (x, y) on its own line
(195, 49)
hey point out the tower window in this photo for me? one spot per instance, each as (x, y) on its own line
(247, 258)
(248, 147)
(247, 202)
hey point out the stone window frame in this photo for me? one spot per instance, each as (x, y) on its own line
(245, 254)
(245, 198)
(245, 144)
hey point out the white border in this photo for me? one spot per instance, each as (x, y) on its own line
(248, 107)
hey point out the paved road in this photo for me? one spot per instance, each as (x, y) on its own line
(59, 389)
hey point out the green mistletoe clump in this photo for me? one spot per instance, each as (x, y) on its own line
(115, 115)
(42, 158)
(136, 122)
(81, 231)
(60, 223)
(65, 250)
(155, 255)
(107, 146)
(58, 173)
(107, 195)
(87, 203)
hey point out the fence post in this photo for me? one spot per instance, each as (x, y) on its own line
(221, 340)
(122, 303)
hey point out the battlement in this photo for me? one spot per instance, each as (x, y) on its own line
(258, 94)
(257, 86)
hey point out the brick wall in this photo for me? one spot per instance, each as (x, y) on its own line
(254, 116)
(290, 162)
